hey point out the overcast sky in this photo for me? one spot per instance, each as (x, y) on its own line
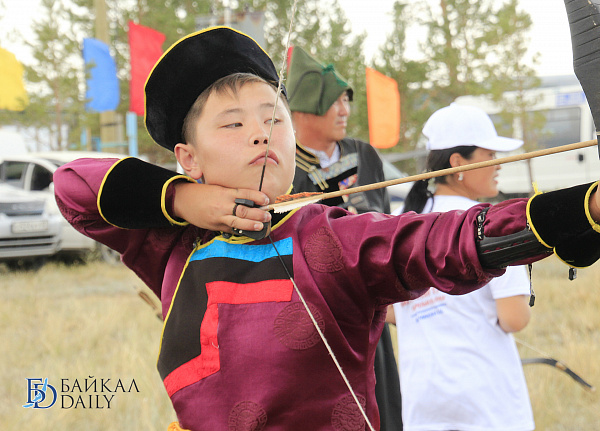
(550, 35)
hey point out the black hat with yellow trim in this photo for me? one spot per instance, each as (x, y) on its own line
(189, 67)
(313, 87)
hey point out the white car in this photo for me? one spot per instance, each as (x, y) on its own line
(28, 231)
(32, 172)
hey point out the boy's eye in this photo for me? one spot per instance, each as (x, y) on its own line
(232, 125)
(277, 120)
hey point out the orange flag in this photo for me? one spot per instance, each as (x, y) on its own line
(383, 106)
(13, 96)
(145, 48)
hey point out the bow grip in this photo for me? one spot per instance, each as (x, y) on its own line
(256, 235)
(584, 24)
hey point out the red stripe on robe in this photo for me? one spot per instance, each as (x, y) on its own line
(223, 292)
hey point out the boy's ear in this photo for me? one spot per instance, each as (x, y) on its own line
(186, 156)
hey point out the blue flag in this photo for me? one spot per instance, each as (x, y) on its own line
(102, 84)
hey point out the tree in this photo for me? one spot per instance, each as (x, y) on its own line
(473, 47)
(64, 87)
(510, 74)
(409, 74)
(174, 18)
(326, 23)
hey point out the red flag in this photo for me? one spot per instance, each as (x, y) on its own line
(145, 48)
(383, 106)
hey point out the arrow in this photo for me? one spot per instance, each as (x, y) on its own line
(296, 203)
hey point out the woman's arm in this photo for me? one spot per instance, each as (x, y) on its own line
(513, 312)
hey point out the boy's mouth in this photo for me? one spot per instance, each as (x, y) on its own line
(272, 157)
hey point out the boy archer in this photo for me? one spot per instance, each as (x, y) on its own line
(238, 349)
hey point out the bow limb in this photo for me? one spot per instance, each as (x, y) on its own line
(584, 24)
(279, 90)
(546, 359)
(560, 366)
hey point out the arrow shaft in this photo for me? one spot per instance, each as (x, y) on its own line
(441, 173)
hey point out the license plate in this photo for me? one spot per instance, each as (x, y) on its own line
(30, 226)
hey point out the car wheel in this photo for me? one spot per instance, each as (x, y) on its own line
(26, 264)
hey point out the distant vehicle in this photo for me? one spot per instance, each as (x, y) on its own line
(32, 173)
(28, 231)
(568, 120)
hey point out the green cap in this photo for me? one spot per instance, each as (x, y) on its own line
(312, 87)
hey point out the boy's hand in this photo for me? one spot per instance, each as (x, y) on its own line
(211, 207)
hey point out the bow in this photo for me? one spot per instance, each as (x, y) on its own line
(559, 365)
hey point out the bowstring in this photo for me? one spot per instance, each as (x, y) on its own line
(327, 346)
(279, 90)
(304, 303)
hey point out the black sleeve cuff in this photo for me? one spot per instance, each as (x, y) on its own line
(561, 220)
(133, 195)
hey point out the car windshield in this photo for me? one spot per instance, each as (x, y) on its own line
(57, 163)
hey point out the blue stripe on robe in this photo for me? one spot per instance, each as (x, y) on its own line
(250, 253)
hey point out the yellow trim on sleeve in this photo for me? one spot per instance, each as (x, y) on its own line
(163, 199)
(531, 226)
(586, 204)
(102, 188)
(567, 263)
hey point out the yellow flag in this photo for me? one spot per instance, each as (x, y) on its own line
(12, 90)
(383, 107)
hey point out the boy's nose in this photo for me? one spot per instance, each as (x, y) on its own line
(259, 133)
(260, 136)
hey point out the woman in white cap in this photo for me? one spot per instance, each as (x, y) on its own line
(459, 365)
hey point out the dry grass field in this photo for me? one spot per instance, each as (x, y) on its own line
(77, 322)
(87, 322)
(565, 325)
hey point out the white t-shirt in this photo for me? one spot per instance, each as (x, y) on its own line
(458, 369)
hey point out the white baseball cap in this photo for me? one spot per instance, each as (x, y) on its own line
(457, 125)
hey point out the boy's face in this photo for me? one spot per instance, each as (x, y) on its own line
(231, 140)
